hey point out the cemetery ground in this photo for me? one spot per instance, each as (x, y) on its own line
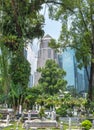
(14, 127)
(62, 125)
(33, 119)
(65, 126)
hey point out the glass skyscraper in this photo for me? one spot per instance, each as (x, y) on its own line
(75, 77)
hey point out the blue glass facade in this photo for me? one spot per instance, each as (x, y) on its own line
(68, 65)
(74, 76)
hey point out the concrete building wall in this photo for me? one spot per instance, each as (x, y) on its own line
(44, 53)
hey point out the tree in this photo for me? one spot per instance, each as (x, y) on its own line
(20, 21)
(20, 72)
(31, 97)
(4, 66)
(52, 78)
(77, 31)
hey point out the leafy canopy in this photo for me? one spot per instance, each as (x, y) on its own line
(52, 77)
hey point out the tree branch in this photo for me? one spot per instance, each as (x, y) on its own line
(60, 3)
(83, 19)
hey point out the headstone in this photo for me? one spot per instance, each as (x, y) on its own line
(36, 107)
(50, 108)
(61, 126)
(33, 108)
(26, 126)
(69, 123)
(6, 105)
(53, 108)
(53, 115)
(75, 112)
(7, 120)
(29, 115)
(93, 123)
(48, 115)
(20, 109)
(39, 107)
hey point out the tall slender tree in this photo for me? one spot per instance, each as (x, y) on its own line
(20, 21)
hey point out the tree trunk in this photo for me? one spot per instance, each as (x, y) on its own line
(91, 82)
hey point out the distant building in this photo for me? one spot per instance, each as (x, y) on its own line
(31, 57)
(66, 60)
(44, 53)
(68, 66)
(74, 76)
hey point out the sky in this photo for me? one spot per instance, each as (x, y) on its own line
(51, 27)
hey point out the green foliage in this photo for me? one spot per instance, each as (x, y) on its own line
(52, 78)
(32, 94)
(77, 32)
(11, 42)
(86, 124)
(1, 115)
(41, 113)
(53, 44)
(20, 70)
(4, 68)
(62, 111)
(22, 19)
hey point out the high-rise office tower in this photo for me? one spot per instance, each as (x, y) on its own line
(75, 77)
(44, 53)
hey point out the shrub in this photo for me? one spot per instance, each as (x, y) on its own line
(86, 124)
(41, 113)
(61, 111)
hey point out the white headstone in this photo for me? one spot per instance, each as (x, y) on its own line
(29, 115)
(39, 107)
(7, 120)
(53, 115)
(6, 105)
(36, 107)
(33, 108)
(69, 123)
(61, 125)
(20, 109)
